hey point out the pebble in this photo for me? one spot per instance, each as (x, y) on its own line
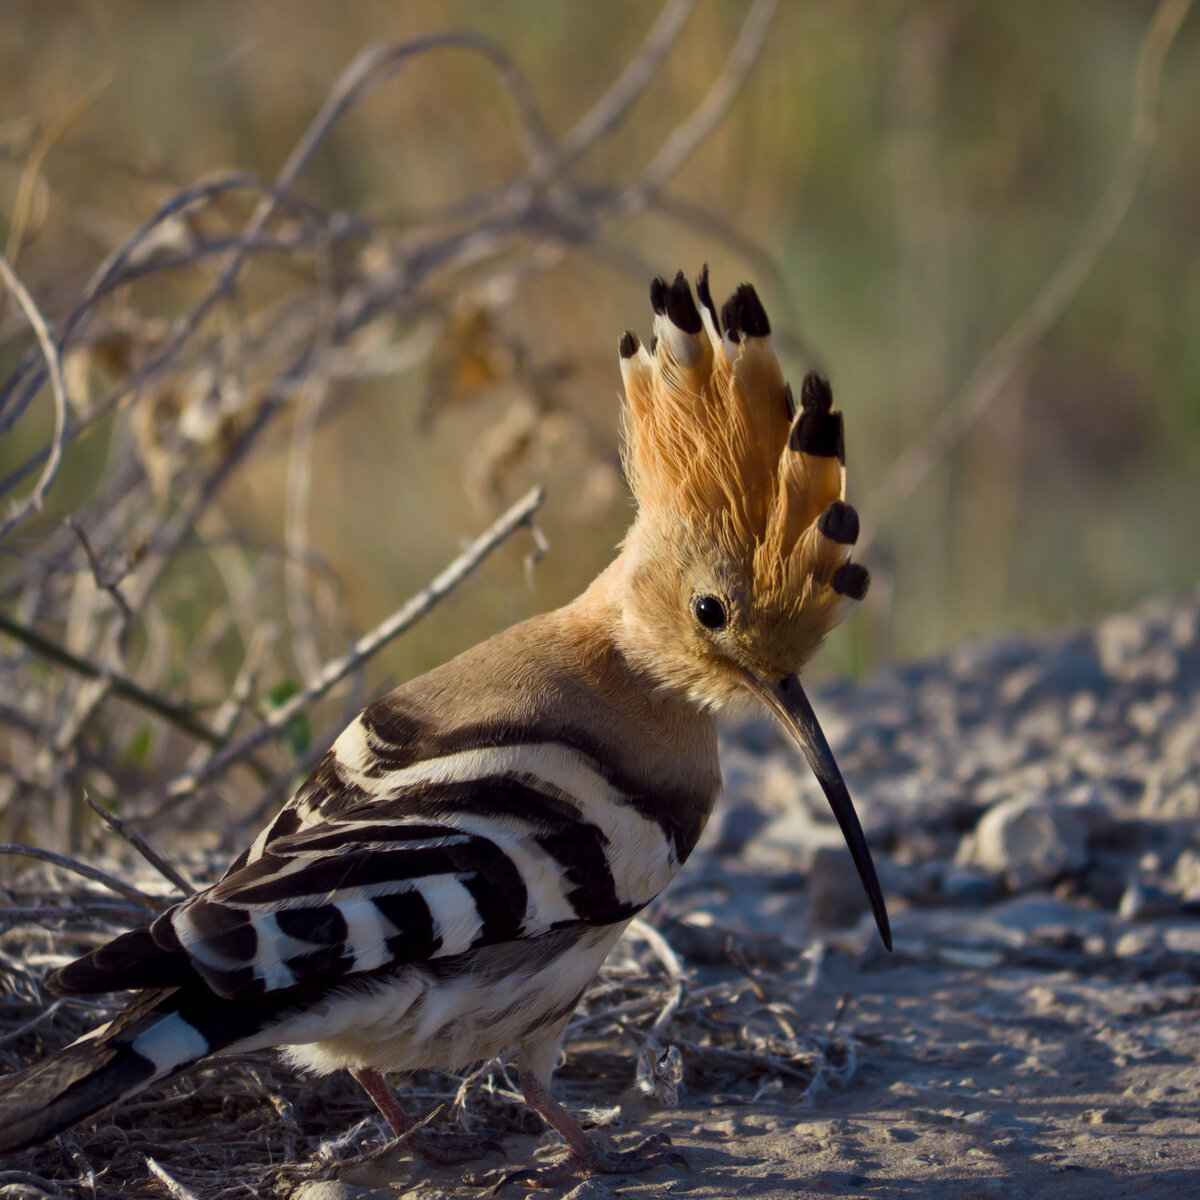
(1028, 842)
(1100, 1116)
(834, 892)
(968, 885)
(1144, 902)
(589, 1189)
(334, 1189)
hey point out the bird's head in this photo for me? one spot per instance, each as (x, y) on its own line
(738, 563)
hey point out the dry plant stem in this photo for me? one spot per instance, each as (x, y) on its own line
(103, 582)
(119, 685)
(88, 872)
(112, 912)
(175, 1189)
(45, 1015)
(23, 205)
(997, 370)
(607, 113)
(519, 515)
(310, 401)
(59, 388)
(163, 865)
(683, 141)
(370, 69)
(670, 960)
(580, 223)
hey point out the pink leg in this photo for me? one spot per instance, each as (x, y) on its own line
(376, 1087)
(585, 1156)
(440, 1149)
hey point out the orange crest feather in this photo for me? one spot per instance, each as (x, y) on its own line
(713, 437)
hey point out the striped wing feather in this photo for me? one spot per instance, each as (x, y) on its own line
(379, 861)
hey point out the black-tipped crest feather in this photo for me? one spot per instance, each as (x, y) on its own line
(818, 433)
(705, 294)
(658, 295)
(852, 580)
(839, 523)
(815, 392)
(681, 307)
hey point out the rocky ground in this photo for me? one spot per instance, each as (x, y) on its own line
(1033, 806)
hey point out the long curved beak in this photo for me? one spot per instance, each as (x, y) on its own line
(790, 705)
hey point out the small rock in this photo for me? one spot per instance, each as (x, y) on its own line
(333, 1189)
(968, 885)
(1001, 1120)
(1143, 902)
(898, 1134)
(1101, 1116)
(739, 826)
(1138, 942)
(1028, 841)
(1023, 1144)
(1186, 874)
(1183, 940)
(834, 890)
(590, 1189)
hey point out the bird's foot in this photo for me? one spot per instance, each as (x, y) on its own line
(589, 1158)
(447, 1148)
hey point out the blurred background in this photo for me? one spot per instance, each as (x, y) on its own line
(423, 322)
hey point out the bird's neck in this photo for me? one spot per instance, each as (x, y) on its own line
(614, 648)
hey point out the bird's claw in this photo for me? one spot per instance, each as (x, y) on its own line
(450, 1148)
(597, 1160)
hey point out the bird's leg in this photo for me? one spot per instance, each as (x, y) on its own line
(440, 1149)
(585, 1155)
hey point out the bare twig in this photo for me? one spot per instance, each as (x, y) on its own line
(103, 581)
(181, 718)
(996, 371)
(337, 670)
(58, 385)
(708, 114)
(670, 960)
(88, 872)
(157, 860)
(21, 1030)
(175, 1189)
(607, 113)
(75, 911)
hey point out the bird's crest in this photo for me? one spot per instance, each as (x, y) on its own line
(714, 439)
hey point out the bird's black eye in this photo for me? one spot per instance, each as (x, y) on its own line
(710, 612)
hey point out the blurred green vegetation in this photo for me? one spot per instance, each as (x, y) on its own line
(916, 171)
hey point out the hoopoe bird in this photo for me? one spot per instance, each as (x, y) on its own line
(448, 881)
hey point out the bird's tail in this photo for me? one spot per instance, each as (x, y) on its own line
(152, 1039)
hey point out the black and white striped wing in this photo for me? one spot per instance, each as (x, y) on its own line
(380, 861)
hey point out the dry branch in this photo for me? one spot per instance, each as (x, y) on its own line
(518, 516)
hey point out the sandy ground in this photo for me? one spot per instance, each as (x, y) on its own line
(995, 1085)
(1034, 809)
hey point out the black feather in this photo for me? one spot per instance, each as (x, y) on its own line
(816, 393)
(818, 433)
(658, 295)
(839, 523)
(681, 307)
(702, 290)
(752, 317)
(851, 579)
(628, 344)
